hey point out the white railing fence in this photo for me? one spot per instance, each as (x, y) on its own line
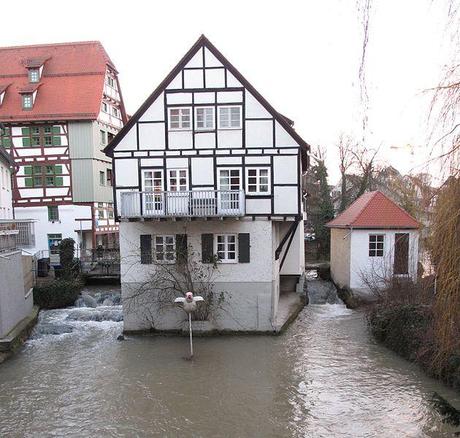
(191, 203)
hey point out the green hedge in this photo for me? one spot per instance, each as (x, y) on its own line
(58, 294)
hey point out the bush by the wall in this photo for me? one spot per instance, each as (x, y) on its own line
(58, 294)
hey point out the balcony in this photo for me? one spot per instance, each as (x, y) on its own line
(16, 234)
(191, 203)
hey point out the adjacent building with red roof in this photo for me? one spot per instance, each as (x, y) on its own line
(372, 241)
(60, 105)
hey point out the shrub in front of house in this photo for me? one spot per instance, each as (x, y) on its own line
(58, 294)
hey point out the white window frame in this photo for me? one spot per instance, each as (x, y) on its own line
(177, 177)
(376, 248)
(29, 99)
(159, 240)
(205, 128)
(221, 107)
(219, 169)
(258, 183)
(34, 75)
(181, 127)
(226, 244)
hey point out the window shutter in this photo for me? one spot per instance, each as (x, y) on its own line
(56, 138)
(146, 249)
(181, 248)
(243, 248)
(26, 137)
(58, 169)
(27, 170)
(207, 244)
(59, 181)
(28, 182)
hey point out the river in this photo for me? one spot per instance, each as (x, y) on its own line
(324, 377)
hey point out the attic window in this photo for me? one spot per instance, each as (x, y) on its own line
(34, 75)
(27, 101)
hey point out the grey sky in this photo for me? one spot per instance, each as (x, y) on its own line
(303, 56)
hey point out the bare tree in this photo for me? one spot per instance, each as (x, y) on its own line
(365, 162)
(346, 145)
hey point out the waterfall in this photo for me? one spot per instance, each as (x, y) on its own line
(96, 311)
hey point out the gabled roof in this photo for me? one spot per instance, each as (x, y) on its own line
(71, 84)
(374, 210)
(204, 42)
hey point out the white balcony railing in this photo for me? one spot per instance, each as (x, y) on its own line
(191, 203)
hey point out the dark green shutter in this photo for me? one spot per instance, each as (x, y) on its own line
(27, 170)
(181, 248)
(58, 181)
(207, 248)
(146, 249)
(28, 182)
(56, 138)
(243, 248)
(58, 169)
(26, 137)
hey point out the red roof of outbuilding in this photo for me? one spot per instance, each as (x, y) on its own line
(374, 210)
(71, 85)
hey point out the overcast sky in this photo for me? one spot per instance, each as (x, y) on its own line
(303, 56)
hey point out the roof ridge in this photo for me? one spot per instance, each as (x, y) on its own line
(351, 205)
(397, 205)
(372, 195)
(70, 43)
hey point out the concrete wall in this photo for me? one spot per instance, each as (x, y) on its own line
(340, 256)
(248, 287)
(15, 303)
(375, 268)
(294, 263)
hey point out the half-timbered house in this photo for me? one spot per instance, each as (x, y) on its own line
(208, 165)
(60, 104)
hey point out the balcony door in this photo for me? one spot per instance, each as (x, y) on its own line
(178, 194)
(153, 197)
(228, 195)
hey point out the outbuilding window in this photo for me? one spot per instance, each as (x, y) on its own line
(376, 243)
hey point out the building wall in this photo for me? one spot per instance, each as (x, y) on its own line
(6, 203)
(294, 263)
(67, 224)
(15, 302)
(375, 268)
(340, 256)
(248, 287)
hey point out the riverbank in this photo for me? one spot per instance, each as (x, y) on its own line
(407, 329)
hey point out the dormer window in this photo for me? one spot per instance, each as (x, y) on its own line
(27, 101)
(34, 75)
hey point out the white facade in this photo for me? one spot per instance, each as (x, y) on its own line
(353, 266)
(6, 203)
(207, 154)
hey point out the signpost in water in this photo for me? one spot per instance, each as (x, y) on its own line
(189, 306)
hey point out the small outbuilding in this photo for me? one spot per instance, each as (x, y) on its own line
(373, 241)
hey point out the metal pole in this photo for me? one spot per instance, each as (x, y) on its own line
(190, 330)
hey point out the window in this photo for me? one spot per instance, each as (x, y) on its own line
(5, 137)
(100, 210)
(109, 137)
(27, 101)
(39, 176)
(102, 178)
(53, 213)
(115, 112)
(204, 118)
(258, 180)
(226, 248)
(110, 212)
(34, 75)
(110, 82)
(177, 180)
(164, 249)
(109, 177)
(180, 118)
(103, 137)
(230, 117)
(229, 179)
(46, 135)
(376, 242)
(104, 107)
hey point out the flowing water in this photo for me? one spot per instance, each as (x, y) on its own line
(325, 377)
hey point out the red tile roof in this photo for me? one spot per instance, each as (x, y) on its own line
(374, 210)
(71, 85)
